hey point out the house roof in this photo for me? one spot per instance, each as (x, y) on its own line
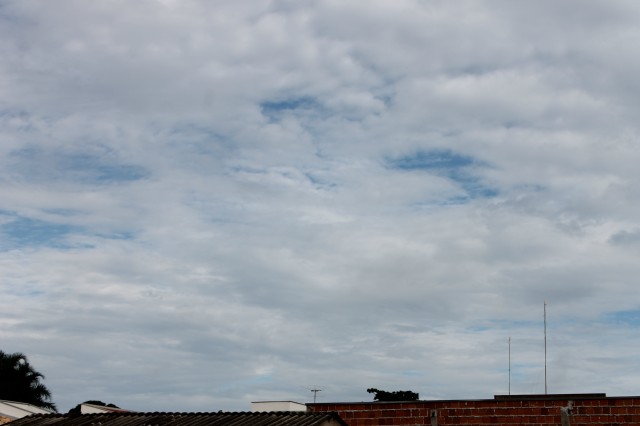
(183, 419)
(86, 408)
(16, 410)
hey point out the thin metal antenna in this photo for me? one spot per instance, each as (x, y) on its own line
(545, 347)
(509, 365)
(315, 391)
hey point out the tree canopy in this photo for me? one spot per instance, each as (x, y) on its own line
(381, 395)
(20, 382)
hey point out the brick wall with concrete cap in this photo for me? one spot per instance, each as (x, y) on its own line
(556, 409)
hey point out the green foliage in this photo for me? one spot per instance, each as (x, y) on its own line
(381, 395)
(20, 382)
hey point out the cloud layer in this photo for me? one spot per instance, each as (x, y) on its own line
(203, 204)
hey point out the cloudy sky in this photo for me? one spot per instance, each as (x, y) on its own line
(208, 203)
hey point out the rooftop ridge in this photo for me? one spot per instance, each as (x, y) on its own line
(212, 418)
(182, 413)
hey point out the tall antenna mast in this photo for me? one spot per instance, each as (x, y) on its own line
(509, 365)
(545, 347)
(315, 391)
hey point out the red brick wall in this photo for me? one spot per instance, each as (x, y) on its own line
(544, 411)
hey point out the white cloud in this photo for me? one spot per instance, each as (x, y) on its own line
(205, 204)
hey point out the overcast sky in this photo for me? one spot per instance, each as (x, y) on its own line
(208, 203)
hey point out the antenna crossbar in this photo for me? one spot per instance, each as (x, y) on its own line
(315, 391)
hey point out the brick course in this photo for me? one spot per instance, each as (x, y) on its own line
(539, 410)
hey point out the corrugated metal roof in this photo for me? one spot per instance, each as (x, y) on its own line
(182, 419)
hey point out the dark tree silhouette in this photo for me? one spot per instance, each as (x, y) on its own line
(21, 383)
(381, 395)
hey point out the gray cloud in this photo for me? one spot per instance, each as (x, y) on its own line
(207, 204)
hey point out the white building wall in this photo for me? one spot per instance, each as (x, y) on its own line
(17, 410)
(268, 406)
(97, 409)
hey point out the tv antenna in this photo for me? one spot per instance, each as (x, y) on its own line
(545, 347)
(509, 365)
(314, 390)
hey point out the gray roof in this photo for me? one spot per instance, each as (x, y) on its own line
(182, 419)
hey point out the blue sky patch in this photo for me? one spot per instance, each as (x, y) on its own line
(275, 108)
(81, 168)
(453, 166)
(92, 168)
(320, 183)
(629, 318)
(125, 236)
(478, 328)
(26, 232)
(63, 212)
(412, 373)
(305, 102)
(433, 160)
